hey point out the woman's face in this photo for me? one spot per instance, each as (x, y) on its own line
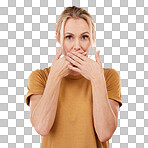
(76, 35)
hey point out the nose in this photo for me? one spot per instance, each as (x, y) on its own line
(76, 48)
(77, 45)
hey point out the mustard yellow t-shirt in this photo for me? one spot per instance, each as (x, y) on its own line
(73, 126)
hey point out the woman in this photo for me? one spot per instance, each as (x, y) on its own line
(75, 102)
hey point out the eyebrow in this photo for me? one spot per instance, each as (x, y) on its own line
(81, 33)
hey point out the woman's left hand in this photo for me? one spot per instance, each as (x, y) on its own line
(87, 67)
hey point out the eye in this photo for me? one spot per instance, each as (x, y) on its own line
(85, 36)
(68, 36)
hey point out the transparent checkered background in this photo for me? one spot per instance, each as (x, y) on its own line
(27, 43)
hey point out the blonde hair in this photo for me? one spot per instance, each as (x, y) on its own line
(75, 13)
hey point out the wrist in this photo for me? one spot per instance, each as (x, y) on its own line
(55, 76)
(98, 80)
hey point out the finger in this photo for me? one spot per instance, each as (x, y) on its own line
(59, 53)
(97, 56)
(81, 52)
(74, 68)
(76, 49)
(81, 56)
(85, 54)
(74, 60)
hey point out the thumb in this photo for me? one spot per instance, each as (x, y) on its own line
(59, 53)
(97, 56)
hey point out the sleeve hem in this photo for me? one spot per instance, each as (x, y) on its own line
(118, 100)
(32, 93)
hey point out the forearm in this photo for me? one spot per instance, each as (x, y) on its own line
(104, 118)
(44, 113)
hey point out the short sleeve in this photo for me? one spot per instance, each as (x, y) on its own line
(113, 84)
(35, 85)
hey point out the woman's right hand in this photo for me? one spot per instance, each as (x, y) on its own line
(59, 65)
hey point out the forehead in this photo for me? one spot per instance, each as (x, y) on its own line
(76, 25)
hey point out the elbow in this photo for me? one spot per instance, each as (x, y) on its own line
(109, 134)
(105, 137)
(41, 130)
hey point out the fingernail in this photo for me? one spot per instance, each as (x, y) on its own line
(68, 54)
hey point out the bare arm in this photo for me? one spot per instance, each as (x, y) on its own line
(43, 114)
(104, 117)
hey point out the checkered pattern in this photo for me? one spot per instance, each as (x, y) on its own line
(27, 43)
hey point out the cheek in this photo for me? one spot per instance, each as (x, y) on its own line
(67, 47)
(86, 46)
(65, 50)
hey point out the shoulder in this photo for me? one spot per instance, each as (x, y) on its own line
(43, 72)
(39, 74)
(110, 73)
